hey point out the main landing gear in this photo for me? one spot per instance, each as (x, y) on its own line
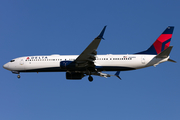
(90, 78)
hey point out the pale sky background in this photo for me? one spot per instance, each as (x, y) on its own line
(67, 27)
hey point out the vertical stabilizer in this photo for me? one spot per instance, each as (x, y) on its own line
(161, 43)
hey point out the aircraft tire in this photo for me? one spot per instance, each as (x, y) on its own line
(18, 76)
(90, 78)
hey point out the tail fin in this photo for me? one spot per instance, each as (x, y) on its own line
(161, 43)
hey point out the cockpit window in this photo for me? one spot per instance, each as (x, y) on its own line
(12, 60)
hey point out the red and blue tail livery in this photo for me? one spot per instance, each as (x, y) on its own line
(161, 43)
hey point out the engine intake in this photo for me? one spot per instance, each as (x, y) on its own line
(67, 64)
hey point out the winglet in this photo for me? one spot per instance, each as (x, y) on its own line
(102, 33)
(117, 74)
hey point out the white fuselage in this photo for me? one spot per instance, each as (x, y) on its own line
(89, 63)
(107, 62)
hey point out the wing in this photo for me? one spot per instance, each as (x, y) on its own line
(87, 57)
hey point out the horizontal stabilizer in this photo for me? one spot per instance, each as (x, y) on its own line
(165, 53)
(117, 74)
(170, 60)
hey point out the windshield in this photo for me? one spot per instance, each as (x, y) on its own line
(12, 60)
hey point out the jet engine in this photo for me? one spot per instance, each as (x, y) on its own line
(74, 75)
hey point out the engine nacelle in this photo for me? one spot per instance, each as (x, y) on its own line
(74, 76)
(67, 64)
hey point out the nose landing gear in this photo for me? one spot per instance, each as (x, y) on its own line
(18, 76)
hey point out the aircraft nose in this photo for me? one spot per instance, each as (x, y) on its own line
(5, 66)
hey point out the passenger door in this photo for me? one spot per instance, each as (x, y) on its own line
(143, 60)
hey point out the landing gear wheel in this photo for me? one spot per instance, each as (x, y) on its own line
(90, 78)
(18, 76)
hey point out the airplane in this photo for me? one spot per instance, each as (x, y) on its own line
(88, 63)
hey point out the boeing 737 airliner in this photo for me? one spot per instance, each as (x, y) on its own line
(88, 63)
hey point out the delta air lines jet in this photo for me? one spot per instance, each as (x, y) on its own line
(88, 63)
